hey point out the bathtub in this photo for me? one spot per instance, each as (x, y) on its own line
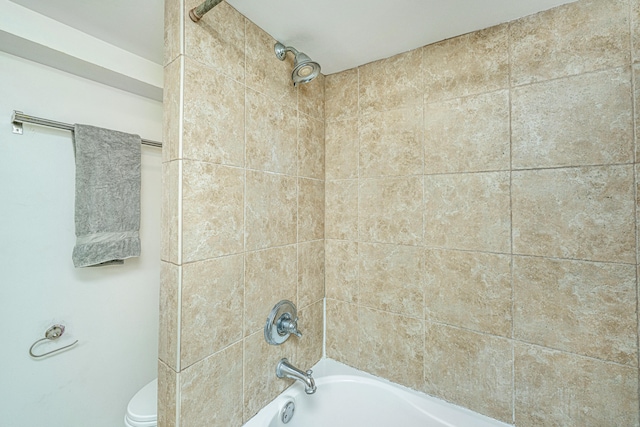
(347, 397)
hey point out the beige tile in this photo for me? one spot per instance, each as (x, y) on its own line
(391, 278)
(471, 290)
(311, 157)
(467, 134)
(342, 332)
(392, 352)
(167, 395)
(271, 211)
(341, 95)
(581, 307)
(171, 117)
(468, 211)
(172, 36)
(311, 97)
(310, 209)
(581, 120)
(212, 300)
(635, 30)
(566, 390)
(212, 210)
(341, 209)
(261, 385)
(271, 135)
(391, 83)
(576, 38)
(310, 272)
(309, 347)
(341, 148)
(473, 63)
(211, 389)
(169, 329)
(265, 72)
(170, 221)
(341, 270)
(217, 40)
(469, 369)
(270, 276)
(637, 186)
(390, 210)
(391, 143)
(213, 124)
(582, 213)
(636, 97)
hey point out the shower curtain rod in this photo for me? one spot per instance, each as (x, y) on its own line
(198, 12)
(18, 118)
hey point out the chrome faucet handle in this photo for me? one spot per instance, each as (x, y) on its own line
(281, 323)
(286, 325)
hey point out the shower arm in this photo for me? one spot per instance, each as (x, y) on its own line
(281, 51)
(198, 12)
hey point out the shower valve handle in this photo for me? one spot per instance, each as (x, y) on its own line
(287, 325)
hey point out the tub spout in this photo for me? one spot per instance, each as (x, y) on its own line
(287, 370)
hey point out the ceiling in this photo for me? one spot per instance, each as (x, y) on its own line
(339, 34)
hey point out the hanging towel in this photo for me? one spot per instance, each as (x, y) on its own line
(107, 196)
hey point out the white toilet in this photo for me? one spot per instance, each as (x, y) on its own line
(142, 410)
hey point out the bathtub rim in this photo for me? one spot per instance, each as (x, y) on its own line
(327, 368)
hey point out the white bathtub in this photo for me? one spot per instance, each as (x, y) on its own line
(347, 397)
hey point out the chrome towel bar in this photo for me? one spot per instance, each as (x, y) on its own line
(53, 333)
(18, 118)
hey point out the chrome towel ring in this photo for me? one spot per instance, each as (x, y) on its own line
(53, 333)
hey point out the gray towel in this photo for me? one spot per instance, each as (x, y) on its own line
(107, 196)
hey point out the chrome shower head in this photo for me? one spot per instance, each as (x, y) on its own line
(304, 69)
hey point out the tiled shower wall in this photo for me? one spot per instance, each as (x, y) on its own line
(243, 217)
(481, 217)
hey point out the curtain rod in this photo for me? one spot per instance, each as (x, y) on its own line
(18, 118)
(198, 12)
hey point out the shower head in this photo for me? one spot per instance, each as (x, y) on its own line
(304, 69)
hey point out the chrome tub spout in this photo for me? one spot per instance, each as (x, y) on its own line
(287, 370)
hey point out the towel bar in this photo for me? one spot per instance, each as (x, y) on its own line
(18, 118)
(53, 333)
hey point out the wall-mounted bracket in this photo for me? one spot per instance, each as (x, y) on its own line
(17, 125)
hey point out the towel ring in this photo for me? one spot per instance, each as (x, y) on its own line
(53, 333)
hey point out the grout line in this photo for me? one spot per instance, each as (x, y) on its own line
(413, 176)
(297, 160)
(569, 76)
(324, 327)
(179, 227)
(521, 341)
(250, 251)
(182, 39)
(634, 113)
(423, 208)
(178, 401)
(427, 102)
(511, 264)
(275, 173)
(487, 171)
(324, 218)
(595, 165)
(358, 231)
(476, 251)
(244, 225)
(511, 86)
(178, 331)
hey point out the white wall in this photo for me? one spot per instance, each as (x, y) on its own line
(112, 311)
